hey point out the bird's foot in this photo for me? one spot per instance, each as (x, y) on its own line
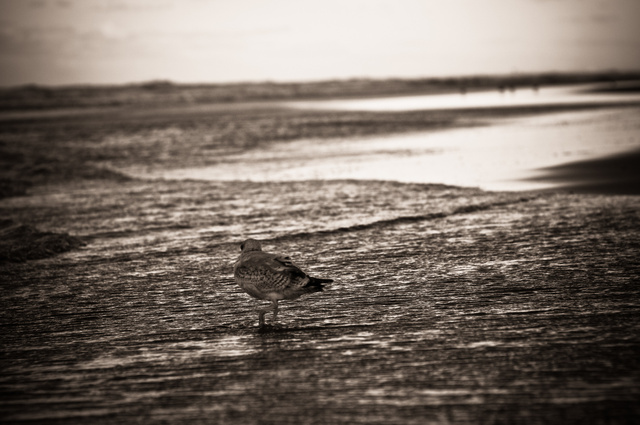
(266, 328)
(261, 319)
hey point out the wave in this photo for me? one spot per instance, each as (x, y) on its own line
(379, 224)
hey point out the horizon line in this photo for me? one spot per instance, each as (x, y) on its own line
(635, 73)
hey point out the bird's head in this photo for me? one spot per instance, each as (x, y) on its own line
(250, 245)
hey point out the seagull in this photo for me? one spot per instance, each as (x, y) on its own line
(271, 277)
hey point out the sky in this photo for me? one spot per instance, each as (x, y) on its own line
(65, 42)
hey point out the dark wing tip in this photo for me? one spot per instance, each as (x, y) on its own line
(317, 283)
(324, 280)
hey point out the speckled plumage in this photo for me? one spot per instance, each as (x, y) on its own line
(272, 277)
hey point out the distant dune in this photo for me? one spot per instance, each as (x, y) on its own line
(168, 93)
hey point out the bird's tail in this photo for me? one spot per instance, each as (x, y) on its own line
(317, 284)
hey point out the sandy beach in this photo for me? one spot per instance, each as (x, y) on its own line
(450, 304)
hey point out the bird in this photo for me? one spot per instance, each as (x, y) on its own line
(271, 277)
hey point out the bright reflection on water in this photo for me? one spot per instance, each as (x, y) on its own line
(496, 157)
(522, 97)
(227, 346)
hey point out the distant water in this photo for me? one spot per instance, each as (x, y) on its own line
(494, 157)
(584, 94)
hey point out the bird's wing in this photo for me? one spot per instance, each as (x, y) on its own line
(285, 266)
(286, 262)
(267, 270)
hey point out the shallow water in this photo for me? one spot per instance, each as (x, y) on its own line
(581, 94)
(501, 156)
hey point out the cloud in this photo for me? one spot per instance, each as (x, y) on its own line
(37, 3)
(103, 5)
(32, 39)
(254, 39)
(111, 31)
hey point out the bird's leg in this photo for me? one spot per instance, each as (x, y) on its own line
(274, 308)
(261, 317)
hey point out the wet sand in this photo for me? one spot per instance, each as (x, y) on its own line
(450, 305)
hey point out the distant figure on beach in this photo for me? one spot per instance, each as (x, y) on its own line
(271, 277)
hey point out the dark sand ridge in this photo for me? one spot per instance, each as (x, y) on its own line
(616, 175)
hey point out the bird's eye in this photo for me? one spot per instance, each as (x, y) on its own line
(242, 246)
